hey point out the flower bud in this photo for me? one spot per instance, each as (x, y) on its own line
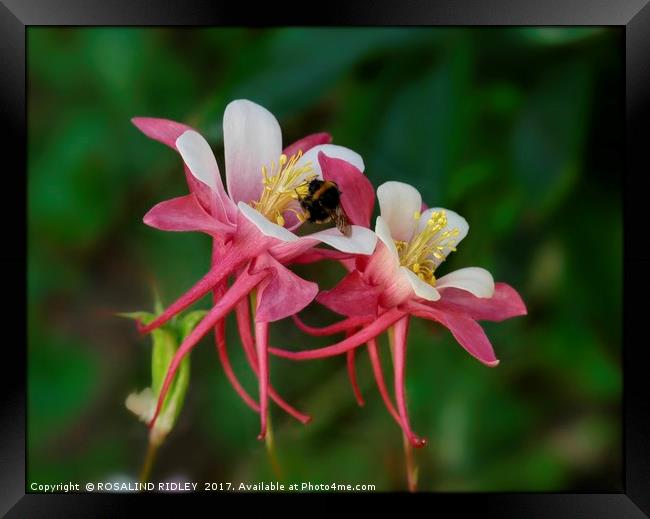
(166, 341)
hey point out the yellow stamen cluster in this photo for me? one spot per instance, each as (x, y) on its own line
(284, 183)
(429, 247)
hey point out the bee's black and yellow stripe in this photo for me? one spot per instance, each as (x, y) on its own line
(322, 203)
(324, 187)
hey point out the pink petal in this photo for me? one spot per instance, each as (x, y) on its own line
(378, 372)
(504, 304)
(364, 335)
(382, 270)
(184, 214)
(161, 130)
(167, 132)
(349, 264)
(312, 255)
(361, 262)
(357, 193)
(341, 326)
(352, 374)
(222, 350)
(353, 296)
(242, 286)
(399, 367)
(245, 334)
(206, 197)
(248, 344)
(283, 293)
(262, 349)
(333, 151)
(307, 143)
(287, 252)
(465, 330)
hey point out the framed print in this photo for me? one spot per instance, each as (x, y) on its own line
(391, 250)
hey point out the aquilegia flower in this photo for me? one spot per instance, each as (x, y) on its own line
(251, 225)
(399, 281)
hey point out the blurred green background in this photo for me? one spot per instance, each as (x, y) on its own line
(518, 129)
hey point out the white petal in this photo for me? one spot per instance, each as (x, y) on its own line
(198, 156)
(360, 241)
(267, 227)
(251, 138)
(399, 203)
(475, 280)
(383, 233)
(332, 151)
(421, 288)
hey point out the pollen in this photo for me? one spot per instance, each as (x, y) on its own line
(429, 247)
(284, 183)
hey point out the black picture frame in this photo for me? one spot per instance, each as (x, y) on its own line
(633, 16)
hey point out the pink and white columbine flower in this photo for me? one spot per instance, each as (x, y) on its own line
(398, 281)
(252, 226)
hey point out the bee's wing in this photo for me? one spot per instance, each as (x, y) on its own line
(341, 220)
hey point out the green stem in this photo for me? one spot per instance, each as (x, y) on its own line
(269, 441)
(409, 458)
(411, 466)
(149, 458)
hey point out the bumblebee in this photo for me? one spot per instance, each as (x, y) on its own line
(322, 203)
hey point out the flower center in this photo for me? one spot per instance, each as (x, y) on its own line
(284, 183)
(429, 247)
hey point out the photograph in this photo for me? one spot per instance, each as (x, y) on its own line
(325, 259)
